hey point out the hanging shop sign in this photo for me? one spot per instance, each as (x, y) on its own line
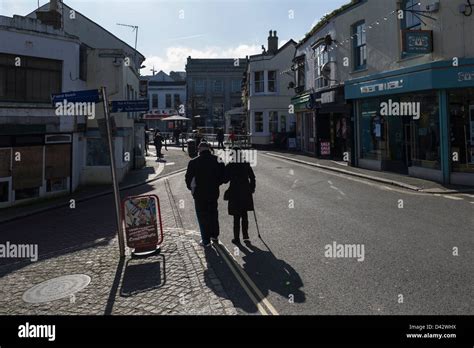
(417, 41)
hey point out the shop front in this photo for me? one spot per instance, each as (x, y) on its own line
(305, 123)
(333, 123)
(417, 121)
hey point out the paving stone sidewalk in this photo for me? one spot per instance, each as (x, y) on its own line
(177, 281)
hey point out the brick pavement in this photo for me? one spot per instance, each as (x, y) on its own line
(178, 281)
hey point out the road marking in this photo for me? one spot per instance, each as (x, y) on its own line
(169, 164)
(329, 182)
(454, 198)
(338, 190)
(249, 281)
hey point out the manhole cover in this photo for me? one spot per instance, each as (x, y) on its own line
(56, 288)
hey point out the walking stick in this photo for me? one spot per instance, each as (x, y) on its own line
(256, 223)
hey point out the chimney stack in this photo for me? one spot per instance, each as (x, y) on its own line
(51, 17)
(272, 42)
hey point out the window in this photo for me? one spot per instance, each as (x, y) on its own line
(154, 101)
(360, 47)
(218, 86)
(321, 57)
(218, 111)
(258, 82)
(177, 101)
(201, 104)
(236, 86)
(168, 101)
(300, 74)
(83, 63)
(258, 122)
(33, 81)
(273, 122)
(411, 21)
(200, 86)
(272, 81)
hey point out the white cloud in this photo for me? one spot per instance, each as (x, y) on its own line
(176, 56)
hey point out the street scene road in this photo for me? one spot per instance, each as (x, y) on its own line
(415, 249)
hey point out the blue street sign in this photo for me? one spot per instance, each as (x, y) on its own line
(88, 96)
(130, 105)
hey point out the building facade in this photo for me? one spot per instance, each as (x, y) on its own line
(167, 97)
(40, 152)
(269, 93)
(108, 62)
(213, 87)
(410, 84)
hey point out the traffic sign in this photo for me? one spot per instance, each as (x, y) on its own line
(87, 96)
(130, 105)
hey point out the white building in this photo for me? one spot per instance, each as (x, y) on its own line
(269, 95)
(110, 62)
(167, 97)
(40, 153)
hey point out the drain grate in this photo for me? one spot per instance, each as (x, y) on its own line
(56, 288)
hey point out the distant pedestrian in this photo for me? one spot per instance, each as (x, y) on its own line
(203, 177)
(232, 138)
(220, 138)
(158, 141)
(239, 194)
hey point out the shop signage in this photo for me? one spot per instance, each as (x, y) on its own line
(466, 76)
(325, 148)
(380, 87)
(418, 41)
(292, 143)
(141, 215)
(328, 97)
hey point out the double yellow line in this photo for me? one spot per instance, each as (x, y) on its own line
(260, 301)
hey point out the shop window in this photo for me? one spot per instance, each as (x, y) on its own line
(283, 123)
(57, 166)
(258, 82)
(4, 191)
(461, 110)
(97, 152)
(360, 45)
(273, 124)
(258, 122)
(27, 171)
(26, 193)
(5, 163)
(272, 75)
(373, 129)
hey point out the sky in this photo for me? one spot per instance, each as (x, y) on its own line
(171, 30)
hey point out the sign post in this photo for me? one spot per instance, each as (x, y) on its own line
(113, 172)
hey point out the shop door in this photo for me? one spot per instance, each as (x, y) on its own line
(309, 137)
(5, 177)
(409, 144)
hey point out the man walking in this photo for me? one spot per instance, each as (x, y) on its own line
(203, 177)
(220, 138)
(158, 141)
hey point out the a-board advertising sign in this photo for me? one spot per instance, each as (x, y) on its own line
(142, 220)
(325, 148)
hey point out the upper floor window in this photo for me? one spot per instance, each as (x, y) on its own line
(321, 57)
(154, 101)
(168, 101)
(272, 76)
(200, 86)
(411, 21)
(218, 86)
(236, 86)
(258, 82)
(34, 80)
(177, 101)
(360, 45)
(300, 69)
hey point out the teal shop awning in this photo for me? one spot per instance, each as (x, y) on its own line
(431, 76)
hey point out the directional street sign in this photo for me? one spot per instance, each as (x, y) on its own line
(130, 105)
(88, 96)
